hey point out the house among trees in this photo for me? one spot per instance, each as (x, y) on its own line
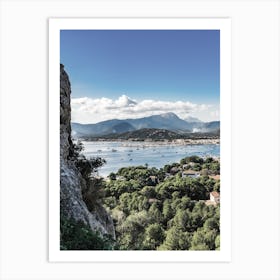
(215, 197)
(154, 179)
(215, 177)
(190, 173)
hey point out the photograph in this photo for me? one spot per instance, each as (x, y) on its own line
(140, 140)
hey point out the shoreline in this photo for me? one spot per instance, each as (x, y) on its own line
(105, 177)
(156, 154)
(152, 143)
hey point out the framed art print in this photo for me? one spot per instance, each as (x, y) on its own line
(140, 139)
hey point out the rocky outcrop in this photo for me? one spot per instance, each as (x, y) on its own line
(71, 180)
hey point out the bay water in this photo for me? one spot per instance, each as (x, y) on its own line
(124, 153)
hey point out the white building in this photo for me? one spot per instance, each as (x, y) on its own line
(215, 197)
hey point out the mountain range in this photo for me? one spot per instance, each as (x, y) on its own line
(167, 121)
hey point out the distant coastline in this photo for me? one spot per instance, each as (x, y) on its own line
(160, 136)
(150, 142)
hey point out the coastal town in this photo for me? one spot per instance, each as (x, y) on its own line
(174, 142)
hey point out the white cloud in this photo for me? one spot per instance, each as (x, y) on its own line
(88, 110)
(215, 114)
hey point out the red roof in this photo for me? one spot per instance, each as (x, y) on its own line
(215, 194)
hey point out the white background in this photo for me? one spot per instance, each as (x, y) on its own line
(255, 139)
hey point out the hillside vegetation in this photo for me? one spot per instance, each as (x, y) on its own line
(160, 210)
(155, 134)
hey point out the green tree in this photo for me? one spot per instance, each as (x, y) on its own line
(217, 186)
(181, 220)
(176, 239)
(75, 150)
(154, 236)
(88, 166)
(217, 242)
(155, 213)
(131, 231)
(209, 160)
(204, 239)
(167, 211)
(149, 192)
(112, 176)
(215, 167)
(212, 224)
(194, 159)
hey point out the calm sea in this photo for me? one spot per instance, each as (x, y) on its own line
(123, 154)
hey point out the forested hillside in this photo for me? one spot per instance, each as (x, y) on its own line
(163, 210)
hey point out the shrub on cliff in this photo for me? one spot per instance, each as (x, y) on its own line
(78, 236)
(93, 190)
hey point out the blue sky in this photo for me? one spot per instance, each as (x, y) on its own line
(138, 65)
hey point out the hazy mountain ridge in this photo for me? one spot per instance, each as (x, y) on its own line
(167, 121)
(155, 135)
(145, 133)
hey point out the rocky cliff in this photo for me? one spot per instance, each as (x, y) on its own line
(71, 180)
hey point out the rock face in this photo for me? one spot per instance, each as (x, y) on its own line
(71, 180)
